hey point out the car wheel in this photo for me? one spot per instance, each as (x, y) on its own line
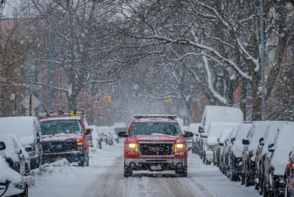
(260, 188)
(247, 181)
(286, 194)
(242, 180)
(265, 192)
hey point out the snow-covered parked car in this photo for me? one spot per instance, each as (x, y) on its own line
(188, 138)
(194, 127)
(262, 151)
(27, 129)
(214, 132)
(107, 134)
(11, 182)
(217, 114)
(275, 161)
(235, 151)
(16, 152)
(219, 148)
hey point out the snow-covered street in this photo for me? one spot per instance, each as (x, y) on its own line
(104, 177)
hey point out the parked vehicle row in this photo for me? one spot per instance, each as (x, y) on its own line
(28, 142)
(258, 153)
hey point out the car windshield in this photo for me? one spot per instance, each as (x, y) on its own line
(153, 128)
(60, 127)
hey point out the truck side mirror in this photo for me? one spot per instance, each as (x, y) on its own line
(2, 146)
(122, 134)
(245, 142)
(18, 151)
(188, 134)
(88, 131)
(201, 130)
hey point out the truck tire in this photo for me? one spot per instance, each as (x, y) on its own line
(183, 172)
(128, 171)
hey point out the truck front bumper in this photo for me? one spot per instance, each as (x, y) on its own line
(154, 164)
(70, 156)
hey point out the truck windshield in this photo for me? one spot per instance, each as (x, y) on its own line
(60, 127)
(154, 128)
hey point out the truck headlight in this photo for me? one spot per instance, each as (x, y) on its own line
(80, 146)
(180, 147)
(132, 147)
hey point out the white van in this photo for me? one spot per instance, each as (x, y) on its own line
(27, 130)
(217, 114)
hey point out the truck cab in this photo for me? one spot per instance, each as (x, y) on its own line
(155, 143)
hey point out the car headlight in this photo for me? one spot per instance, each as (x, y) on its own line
(210, 148)
(20, 185)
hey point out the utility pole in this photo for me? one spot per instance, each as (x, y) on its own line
(262, 60)
(50, 77)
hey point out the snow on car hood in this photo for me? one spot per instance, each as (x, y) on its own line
(62, 137)
(237, 148)
(155, 137)
(211, 140)
(7, 173)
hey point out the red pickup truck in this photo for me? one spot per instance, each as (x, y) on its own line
(65, 136)
(155, 143)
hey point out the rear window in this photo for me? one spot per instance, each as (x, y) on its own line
(155, 128)
(60, 127)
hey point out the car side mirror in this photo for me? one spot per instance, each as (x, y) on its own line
(220, 144)
(261, 141)
(9, 161)
(232, 139)
(201, 130)
(18, 151)
(245, 142)
(122, 134)
(270, 147)
(188, 134)
(88, 131)
(197, 134)
(2, 146)
(203, 135)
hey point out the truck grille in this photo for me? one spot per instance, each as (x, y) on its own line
(156, 149)
(59, 146)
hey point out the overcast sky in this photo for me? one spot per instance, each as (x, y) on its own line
(9, 7)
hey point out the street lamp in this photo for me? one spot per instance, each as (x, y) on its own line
(262, 60)
(50, 77)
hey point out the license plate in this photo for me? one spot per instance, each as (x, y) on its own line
(155, 167)
(58, 159)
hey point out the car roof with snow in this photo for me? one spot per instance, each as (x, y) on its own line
(256, 132)
(24, 127)
(216, 128)
(12, 143)
(271, 133)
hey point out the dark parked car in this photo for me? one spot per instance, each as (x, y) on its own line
(235, 151)
(276, 161)
(262, 151)
(250, 143)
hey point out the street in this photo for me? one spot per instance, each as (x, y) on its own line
(104, 178)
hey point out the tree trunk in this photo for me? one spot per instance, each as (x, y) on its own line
(72, 102)
(256, 94)
(243, 98)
